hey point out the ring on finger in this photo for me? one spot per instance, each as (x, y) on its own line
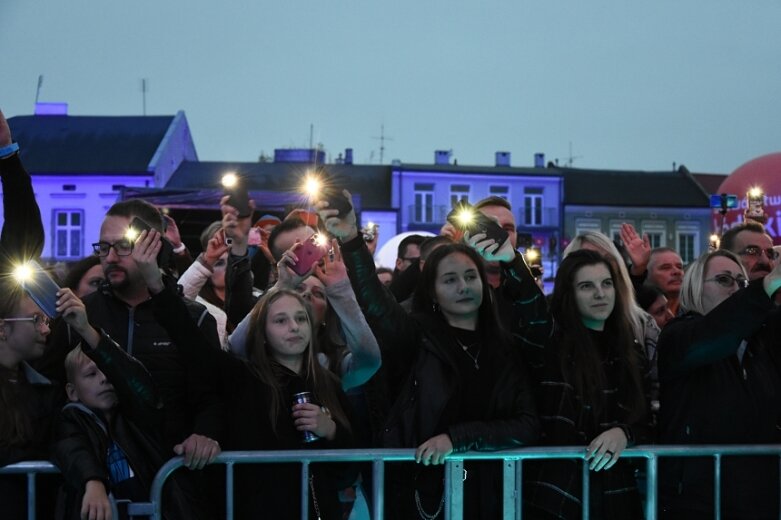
(609, 453)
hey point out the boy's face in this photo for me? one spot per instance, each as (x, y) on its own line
(91, 388)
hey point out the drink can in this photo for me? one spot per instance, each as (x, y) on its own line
(301, 398)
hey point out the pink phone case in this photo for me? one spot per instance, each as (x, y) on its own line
(308, 254)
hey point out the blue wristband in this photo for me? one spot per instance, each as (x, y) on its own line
(8, 151)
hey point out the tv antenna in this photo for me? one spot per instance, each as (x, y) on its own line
(382, 138)
(38, 90)
(571, 158)
(143, 95)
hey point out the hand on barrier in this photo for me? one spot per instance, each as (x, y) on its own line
(434, 450)
(605, 449)
(95, 505)
(198, 451)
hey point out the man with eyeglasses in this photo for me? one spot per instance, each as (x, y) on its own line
(123, 307)
(754, 247)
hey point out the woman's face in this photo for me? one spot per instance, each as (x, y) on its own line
(660, 311)
(313, 291)
(457, 288)
(595, 295)
(719, 282)
(288, 331)
(90, 281)
(218, 276)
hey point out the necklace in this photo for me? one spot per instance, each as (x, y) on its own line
(466, 348)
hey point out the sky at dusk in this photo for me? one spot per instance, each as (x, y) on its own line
(623, 85)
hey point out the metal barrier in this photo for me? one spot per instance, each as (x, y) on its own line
(454, 465)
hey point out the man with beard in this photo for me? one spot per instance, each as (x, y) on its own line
(122, 307)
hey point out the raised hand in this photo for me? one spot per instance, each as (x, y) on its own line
(75, 314)
(639, 249)
(344, 228)
(332, 271)
(172, 231)
(215, 248)
(286, 277)
(236, 227)
(145, 250)
(489, 249)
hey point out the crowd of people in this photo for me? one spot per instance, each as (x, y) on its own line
(283, 334)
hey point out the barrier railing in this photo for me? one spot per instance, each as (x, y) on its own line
(454, 465)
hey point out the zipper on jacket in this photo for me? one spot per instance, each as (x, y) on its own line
(131, 324)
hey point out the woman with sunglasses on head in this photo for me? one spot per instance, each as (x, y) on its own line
(720, 384)
(458, 380)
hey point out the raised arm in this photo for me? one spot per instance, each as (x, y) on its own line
(363, 359)
(22, 236)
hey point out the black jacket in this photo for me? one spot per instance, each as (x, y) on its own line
(710, 396)
(556, 486)
(262, 491)
(419, 353)
(190, 400)
(84, 436)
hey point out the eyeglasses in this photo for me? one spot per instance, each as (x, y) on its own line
(37, 319)
(122, 248)
(757, 251)
(727, 280)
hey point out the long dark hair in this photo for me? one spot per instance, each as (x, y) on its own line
(423, 298)
(15, 426)
(322, 383)
(581, 363)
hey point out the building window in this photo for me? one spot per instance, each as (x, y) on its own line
(532, 206)
(68, 233)
(423, 212)
(500, 191)
(687, 238)
(458, 193)
(656, 232)
(587, 224)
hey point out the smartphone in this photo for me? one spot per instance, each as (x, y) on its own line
(42, 288)
(724, 201)
(166, 251)
(336, 200)
(239, 199)
(478, 224)
(308, 255)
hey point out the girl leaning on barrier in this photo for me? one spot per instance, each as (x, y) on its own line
(590, 389)
(720, 384)
(259, 399)
(457, 377)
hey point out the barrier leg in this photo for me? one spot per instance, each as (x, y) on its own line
(586, 491)
(305, 490)
(510, 487)
(454, 490)
(717, 486)
(31, 496)
(378, 487)
(229, 498)
(651, 498)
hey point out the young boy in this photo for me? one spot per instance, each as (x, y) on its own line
(108, 435)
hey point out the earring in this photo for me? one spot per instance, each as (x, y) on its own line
(435, 306)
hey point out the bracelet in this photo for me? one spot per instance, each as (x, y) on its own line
(7, 151)
(180, 249)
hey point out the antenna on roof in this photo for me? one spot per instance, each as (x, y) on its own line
(382, 140)
(38, 90)
(143, 94)
(571, 158)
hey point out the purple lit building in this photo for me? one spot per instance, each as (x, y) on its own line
(80, 165)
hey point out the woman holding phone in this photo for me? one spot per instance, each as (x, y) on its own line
(462, 385)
